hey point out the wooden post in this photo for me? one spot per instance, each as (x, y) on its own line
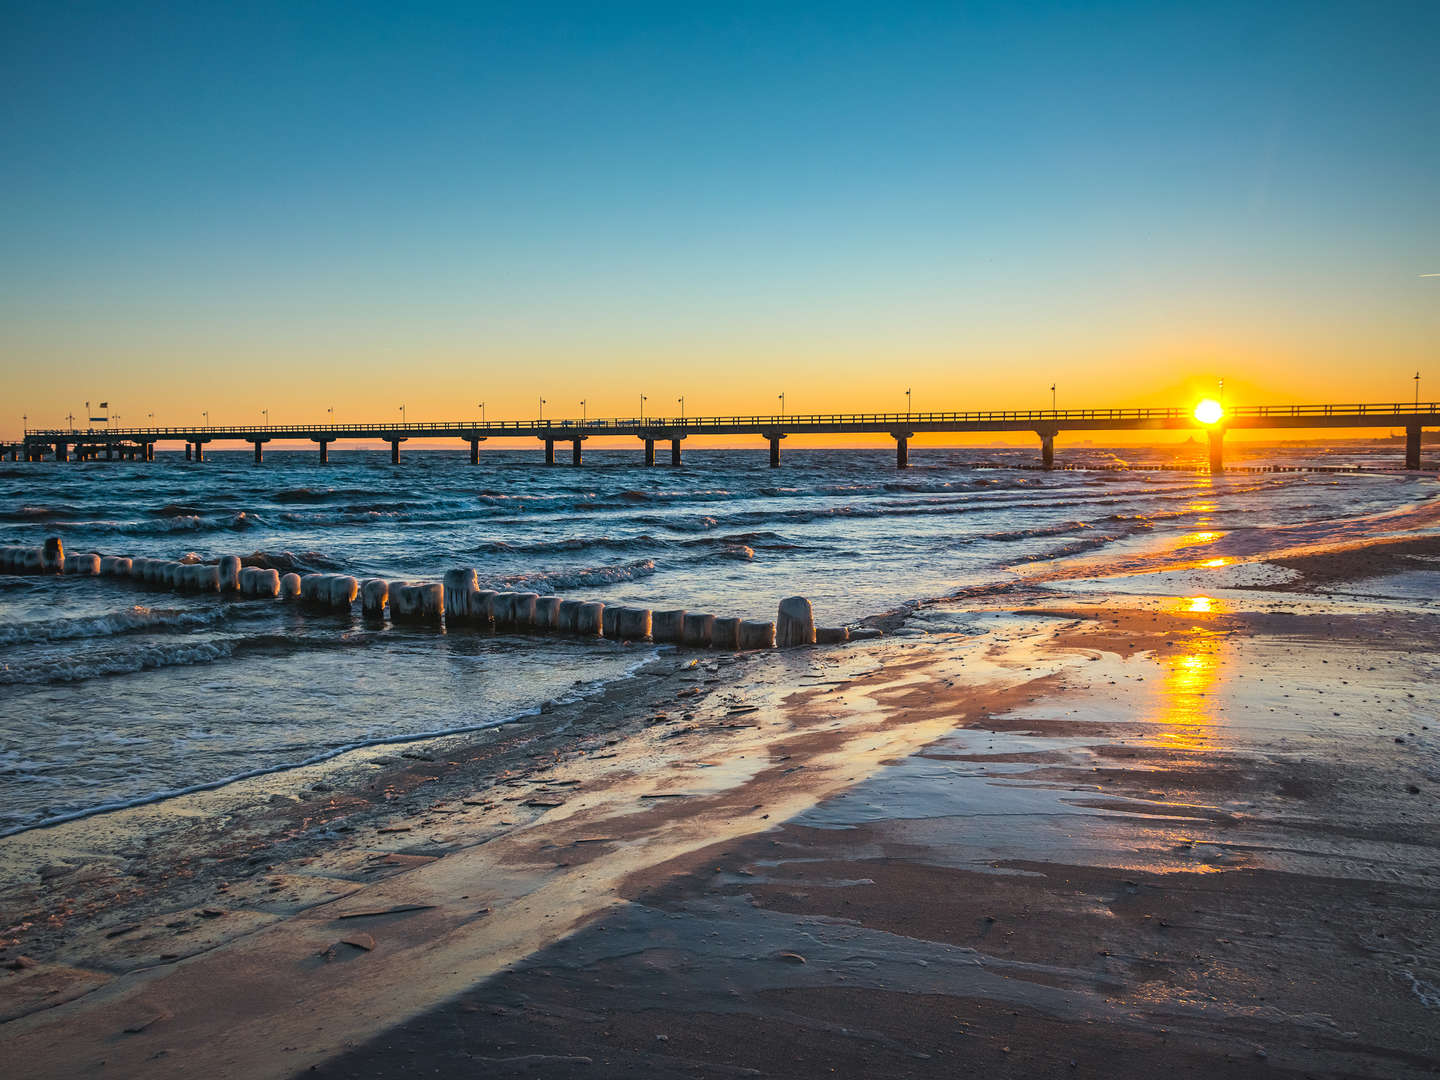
(1217, 450)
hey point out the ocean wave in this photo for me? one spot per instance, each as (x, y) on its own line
(290, 562)
(45, 819)
(1078, 547)
(40, 513)
(133, 620)
(1039, 531)
(643, 542)
(554, 581)
(178, 523)
(94, 663)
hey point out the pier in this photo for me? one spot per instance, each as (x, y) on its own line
(1045, 424)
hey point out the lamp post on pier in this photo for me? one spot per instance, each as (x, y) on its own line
(681, 400)
(643, 399)
(482, 414)
(582, 412)
(542, 409)
(1052, 397)
(907, 401)
(782, 403)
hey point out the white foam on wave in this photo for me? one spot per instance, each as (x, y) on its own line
(65, 668)
(553, 581)
(132, 620)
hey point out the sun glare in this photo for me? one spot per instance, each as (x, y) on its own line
(1209, 411)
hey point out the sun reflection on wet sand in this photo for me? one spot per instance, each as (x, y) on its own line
(1200, 537)
(1190, 674)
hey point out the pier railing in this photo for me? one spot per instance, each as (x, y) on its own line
(778, 422)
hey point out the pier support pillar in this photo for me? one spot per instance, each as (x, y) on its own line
(902, 452)
(574, 451)
(109, 452)
(394, 451)
(324, 452)
(1412, 446)
(775, 449)
(199, 451)
(149, 451)
(189, 451)
(549, 451)
(62, 452)
(1217, 450)
(674, 452)
(649, 451)
(259, 452)
(1047, 451)
(474, 451)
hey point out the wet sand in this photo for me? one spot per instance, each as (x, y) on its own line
(1033, 833)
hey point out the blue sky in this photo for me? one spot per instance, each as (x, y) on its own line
(804, 189)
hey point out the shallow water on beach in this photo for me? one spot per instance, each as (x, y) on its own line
(112, 693)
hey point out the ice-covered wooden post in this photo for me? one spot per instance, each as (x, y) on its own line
(229, 573)
(458, 585)
(725, 632)
(795, 624)
(589, 619)
(633, 624)
(698, 629)
(416, 603)
(374, 593)
(668, 626)
(53, 555)
(547, 612)
(757, 634)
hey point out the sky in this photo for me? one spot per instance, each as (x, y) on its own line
(311, 206)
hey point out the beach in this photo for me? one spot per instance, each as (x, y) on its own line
(1065, 825)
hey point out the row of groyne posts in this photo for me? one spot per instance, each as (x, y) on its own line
(455, 601)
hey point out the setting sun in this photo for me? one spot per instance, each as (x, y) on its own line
(1209, 411)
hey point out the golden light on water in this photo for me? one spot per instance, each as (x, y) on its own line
(1209, 411)
(1203, 537)
(1189, 679)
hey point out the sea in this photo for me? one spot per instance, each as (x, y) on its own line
(115, 693)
